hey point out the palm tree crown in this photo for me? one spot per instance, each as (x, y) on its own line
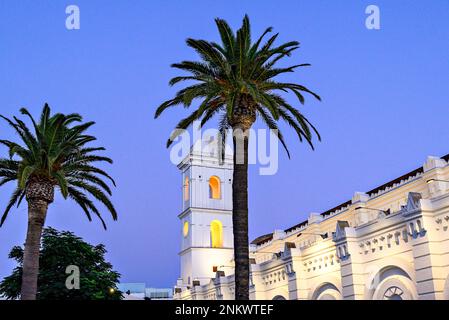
(55, 154)
(235, 80)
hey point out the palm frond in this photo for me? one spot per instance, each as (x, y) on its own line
(271, 123)
(14, 197)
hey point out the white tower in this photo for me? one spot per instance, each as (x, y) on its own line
(206, 217)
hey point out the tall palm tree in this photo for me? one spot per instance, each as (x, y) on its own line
(236, 81)
(54, 155)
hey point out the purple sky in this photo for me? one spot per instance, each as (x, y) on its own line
(385, 107)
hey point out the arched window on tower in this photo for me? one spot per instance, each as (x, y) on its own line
(216, 234)
(214, 188)
(186, 189)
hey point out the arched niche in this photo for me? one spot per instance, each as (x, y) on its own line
(216, 234)
(214, 187)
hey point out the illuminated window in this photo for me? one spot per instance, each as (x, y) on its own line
(185, 229)
(214, 188)
(186, 189)
(216, 234)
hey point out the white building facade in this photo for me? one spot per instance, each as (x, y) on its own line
(391, 242)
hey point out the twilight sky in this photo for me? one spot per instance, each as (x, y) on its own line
(385, 107)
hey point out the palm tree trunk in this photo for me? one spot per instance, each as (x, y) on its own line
(37, 211)
(240, 218)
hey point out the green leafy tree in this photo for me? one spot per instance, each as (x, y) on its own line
(235, 80)
(52, 154)
(59, 250)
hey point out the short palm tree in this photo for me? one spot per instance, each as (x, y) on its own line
(236, 81)
(54, 153)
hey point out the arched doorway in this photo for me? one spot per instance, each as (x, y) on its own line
(392, 283)
(326, 291)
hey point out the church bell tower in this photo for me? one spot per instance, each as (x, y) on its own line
(206, 217)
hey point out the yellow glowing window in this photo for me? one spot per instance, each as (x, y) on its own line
(186, 189)
(214, 188)
(185, 229)
(216, 234)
